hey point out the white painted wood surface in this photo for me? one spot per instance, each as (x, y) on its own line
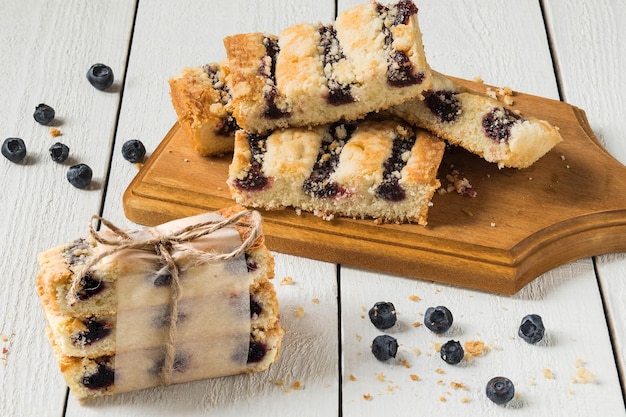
(46, 49)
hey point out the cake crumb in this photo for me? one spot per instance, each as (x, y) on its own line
(437, 347)
(315, 300)
(467, 212)
(440, 382)
(465, 400)
(458, 385)
(414, 377)
(358, 337)
(583, 376)
(493, 224)
(186, 160)
(405, 363)
(54, 132)
(491, 93)
(367, 397)
(287, 281)
(479, 80)
(440, 371)
(417, 351)
(475, 348)
(381, 377)
(352, 377)
(414, 297)
(442, 399)
(279, 382)
(548, 374)
(417, 324)
(297, 385)
(300, 312)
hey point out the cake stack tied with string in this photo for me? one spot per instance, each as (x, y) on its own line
(186, 300)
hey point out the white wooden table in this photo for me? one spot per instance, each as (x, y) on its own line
(568, 50)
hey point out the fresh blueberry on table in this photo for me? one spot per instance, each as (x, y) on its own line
(14, 149)
(59, 152)
(438, 319)
(100, 76)
(133, 150)
(452, 352)
(383, 315)
(44, 114)
(531, 329)
(79, 175)
(384, 347)
(500, 390)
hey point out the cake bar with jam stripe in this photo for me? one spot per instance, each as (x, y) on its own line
(381, 169)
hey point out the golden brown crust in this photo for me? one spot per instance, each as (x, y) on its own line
(200, 110)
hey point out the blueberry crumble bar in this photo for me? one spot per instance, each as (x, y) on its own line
(480, 124)
(381, 169)
(369, 59)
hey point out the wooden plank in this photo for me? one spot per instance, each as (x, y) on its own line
(169, 36)
(505, 44)
(595, 82)
(522, 223)
(46, 49)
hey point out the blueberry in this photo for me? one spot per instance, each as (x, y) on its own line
(500, 390)
(44, 114)
(383, 315)
(256, 351)
(59, 152)
(438, 319)
(14, 149)
(531, 329)
(384, 347)
(100, 76)
(101, 379)
(79, 175)
(452, 352)
(133, 150)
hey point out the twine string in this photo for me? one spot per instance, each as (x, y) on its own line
(164, 246)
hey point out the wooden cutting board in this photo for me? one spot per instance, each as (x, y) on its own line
(569, 205)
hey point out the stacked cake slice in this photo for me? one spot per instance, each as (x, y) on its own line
(301, 105)
(121, 319)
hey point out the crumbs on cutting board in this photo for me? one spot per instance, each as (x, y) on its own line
(287, 281)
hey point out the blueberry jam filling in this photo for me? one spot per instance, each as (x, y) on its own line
(256, 351)
(102, 378)
(89, 286)
(338, 93)
(255, 179)
(255, 308)
(96, 330)
(163, 279)
(268, 70)
(229, 125)
(390, 189)
(76, 253)
(180, 364)
(400, 70)
(498, 122)
(251, 263)
(443, 104)
(319, 183)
